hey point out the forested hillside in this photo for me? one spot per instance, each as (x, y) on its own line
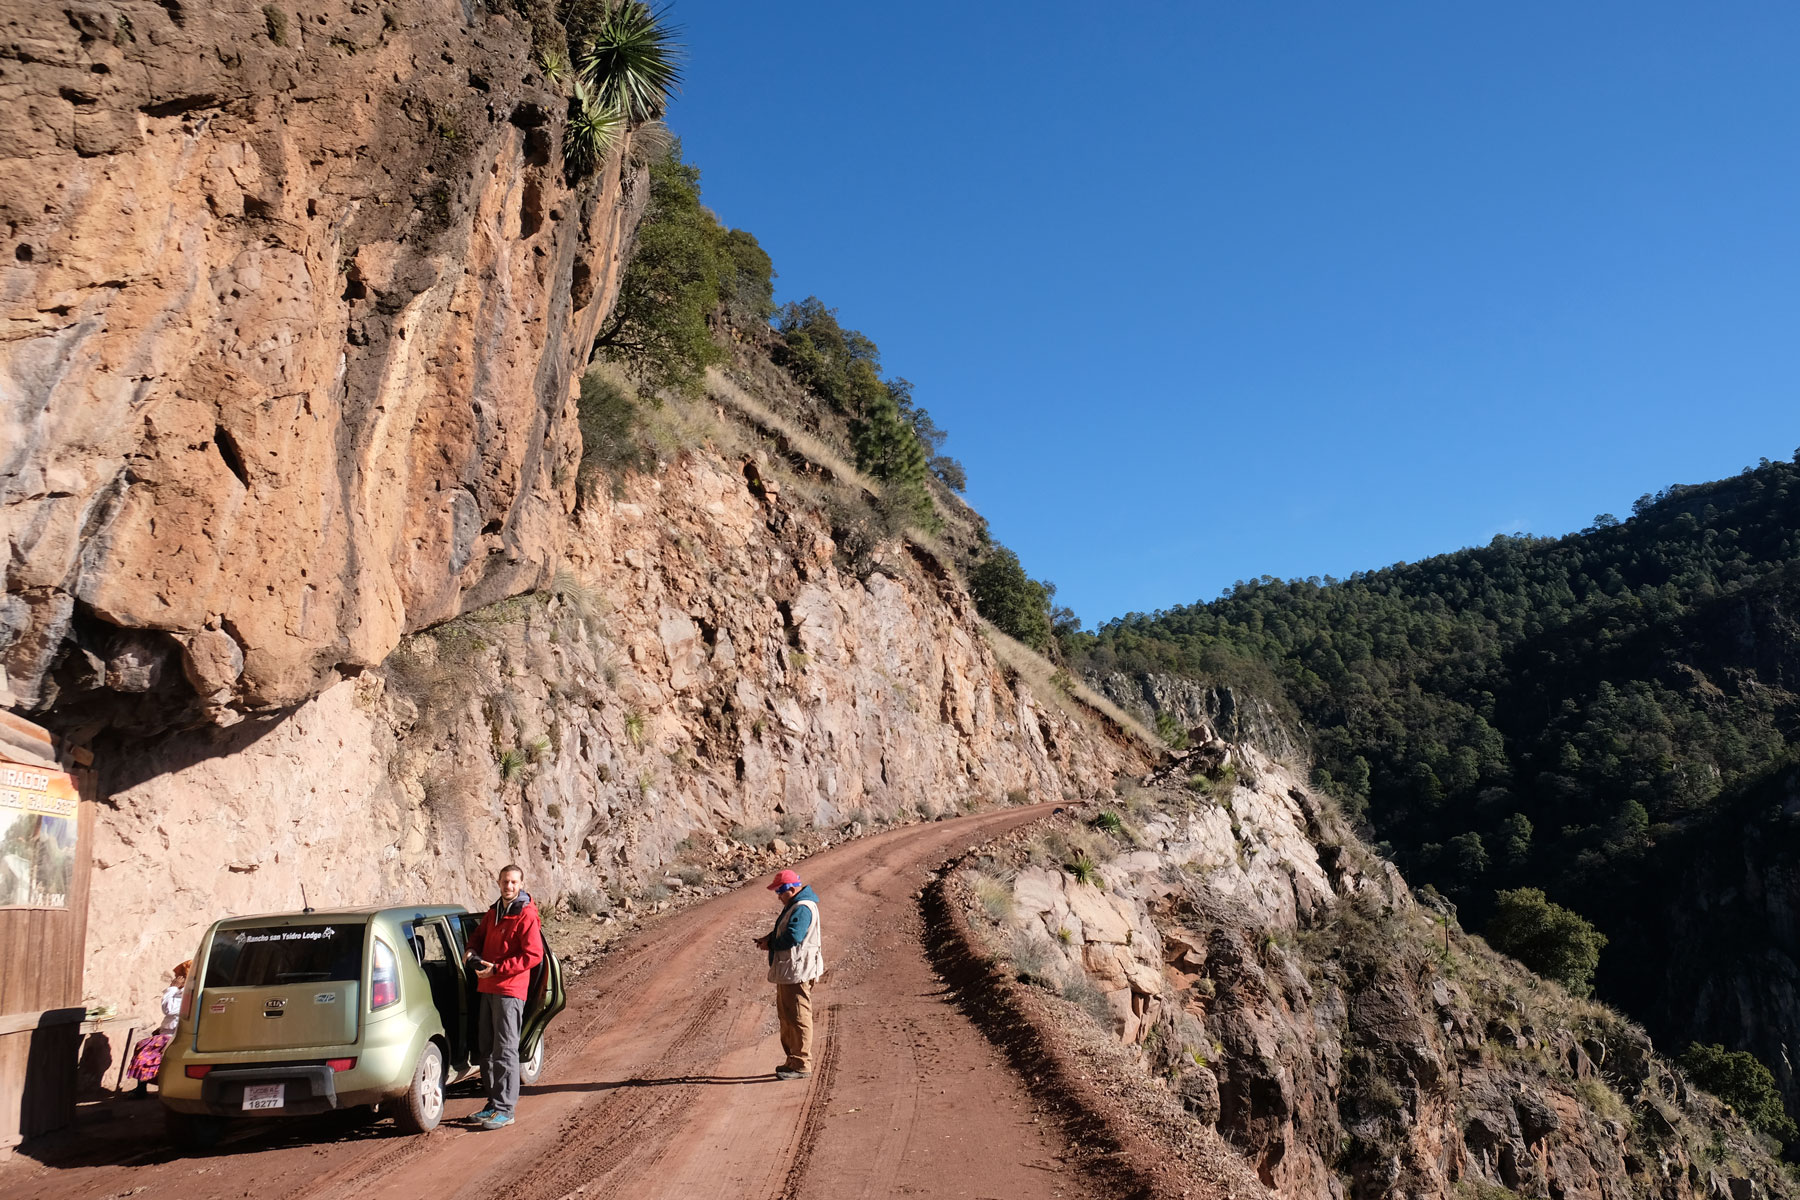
(1570, 714)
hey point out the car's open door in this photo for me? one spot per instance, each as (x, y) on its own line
(544, 999)
(440, 955)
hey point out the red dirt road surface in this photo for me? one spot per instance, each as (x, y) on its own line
(659, 1080)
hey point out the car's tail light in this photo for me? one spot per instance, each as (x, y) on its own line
(384, 977)
(340, 1064)
(198, 1070)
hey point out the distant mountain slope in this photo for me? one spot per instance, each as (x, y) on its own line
(1575, 714)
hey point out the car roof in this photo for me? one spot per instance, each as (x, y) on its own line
(345, 915)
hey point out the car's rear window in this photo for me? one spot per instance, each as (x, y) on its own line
(278, 954)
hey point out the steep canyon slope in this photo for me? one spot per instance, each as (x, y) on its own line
(1281, 988)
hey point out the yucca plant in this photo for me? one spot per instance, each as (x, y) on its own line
(1085, 870)
(554, 65)
(631, 59)
(595, 127)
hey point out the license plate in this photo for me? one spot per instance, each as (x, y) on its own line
(265, 1095)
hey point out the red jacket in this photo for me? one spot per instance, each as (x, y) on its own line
(513, 944)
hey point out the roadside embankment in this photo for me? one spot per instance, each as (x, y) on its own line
(1270, 989)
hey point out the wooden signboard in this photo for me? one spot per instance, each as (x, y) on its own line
(46, 851)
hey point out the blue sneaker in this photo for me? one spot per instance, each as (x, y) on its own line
(485, 1114)
(499, 1120)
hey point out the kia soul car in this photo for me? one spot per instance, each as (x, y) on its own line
(301, 1013)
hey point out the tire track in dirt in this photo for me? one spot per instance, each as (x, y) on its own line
(375, 1165)
(816, 1101)
(604, 1135)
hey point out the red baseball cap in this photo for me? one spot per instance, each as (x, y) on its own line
(785, 879)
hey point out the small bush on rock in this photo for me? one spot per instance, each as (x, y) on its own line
(586, 902)
(1741, 1080)
(1554, 941)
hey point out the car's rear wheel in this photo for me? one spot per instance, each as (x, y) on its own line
(191, 1131)
(531, 1068)
(422, 1107)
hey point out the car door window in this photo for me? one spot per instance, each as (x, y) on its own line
(465, 927)
(433, 944)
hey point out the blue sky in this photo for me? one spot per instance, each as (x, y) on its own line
(1204, 291)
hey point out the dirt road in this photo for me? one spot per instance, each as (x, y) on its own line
(659, 1084)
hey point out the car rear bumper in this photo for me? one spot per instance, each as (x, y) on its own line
(379, 1074)
(308, 1090)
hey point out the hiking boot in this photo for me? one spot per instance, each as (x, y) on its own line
(499, 1120)
(485, 1114)
(786, 1072)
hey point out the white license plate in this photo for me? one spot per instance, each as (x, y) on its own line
(265, 1095)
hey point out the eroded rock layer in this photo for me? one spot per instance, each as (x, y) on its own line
(290, 307)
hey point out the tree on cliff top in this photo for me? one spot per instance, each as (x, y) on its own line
(1742, 1081)
(1018, 605)
(683, 267)
(843, 368)
(1550, 939)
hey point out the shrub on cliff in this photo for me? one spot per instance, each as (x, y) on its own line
(1018, 604)
(1742, 1081)
(843, 368)
(1550, 939)
(609, 423)
(626, 54)
(683, 267)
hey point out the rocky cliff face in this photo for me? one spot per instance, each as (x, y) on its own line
(293, 305)
(1343, 1036)
(706, 668)
(1192, 704)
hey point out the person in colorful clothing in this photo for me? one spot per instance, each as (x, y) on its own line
(796, 960)
(146, 1060)
(506, 945)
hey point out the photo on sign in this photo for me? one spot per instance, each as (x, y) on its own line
(37, 859)
(38, 813)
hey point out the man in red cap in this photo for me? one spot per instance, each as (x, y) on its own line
(795, 960)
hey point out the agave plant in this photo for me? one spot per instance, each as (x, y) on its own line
(631, 59)
(594, 128)
(554, 66)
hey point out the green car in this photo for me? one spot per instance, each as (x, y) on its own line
(301, 1013)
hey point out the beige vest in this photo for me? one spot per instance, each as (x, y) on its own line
(802, 963)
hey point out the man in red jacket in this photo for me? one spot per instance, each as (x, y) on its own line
(505, 946)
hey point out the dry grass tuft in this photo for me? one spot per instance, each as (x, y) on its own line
(1059, 688)
(808, 445)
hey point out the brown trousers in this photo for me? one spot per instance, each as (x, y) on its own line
(793, 1005)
